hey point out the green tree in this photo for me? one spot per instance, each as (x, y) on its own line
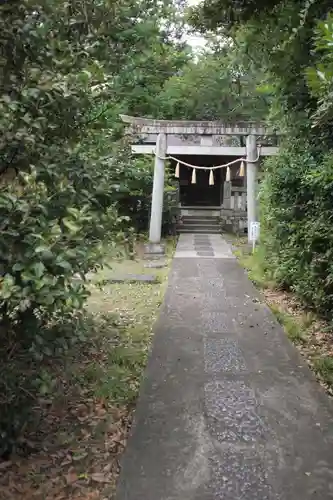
(65, 72)
(212, 88)
(320, 77)
(290, 44)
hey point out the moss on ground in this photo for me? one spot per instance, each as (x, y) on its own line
(80, 428)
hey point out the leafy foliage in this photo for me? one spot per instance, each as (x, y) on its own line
(320, 77)
(296, 217)
(212, 88)
(290, 44)
(41, 252)
(229, 13)
(66, 70)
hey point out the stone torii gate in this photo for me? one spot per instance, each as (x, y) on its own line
(203, 138)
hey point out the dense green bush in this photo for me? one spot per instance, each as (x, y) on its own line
(46, 248)
(66, 71)
(297, 220)
(44, 245)
(286, 45)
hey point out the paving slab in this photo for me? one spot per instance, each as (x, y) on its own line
(156, 264)
(131, 278)
(202, 240)
(190, 246)
(228, 409)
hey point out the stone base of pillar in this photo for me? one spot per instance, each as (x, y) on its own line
(154, 251)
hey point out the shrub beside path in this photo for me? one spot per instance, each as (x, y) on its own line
(77, 431)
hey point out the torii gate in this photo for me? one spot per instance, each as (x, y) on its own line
(173, 137)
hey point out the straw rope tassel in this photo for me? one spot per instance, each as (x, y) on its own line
(211, 178)
(194, 176)
(228, 176)
(177, 171)
(242, 170)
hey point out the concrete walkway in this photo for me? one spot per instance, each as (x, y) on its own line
(228, 409)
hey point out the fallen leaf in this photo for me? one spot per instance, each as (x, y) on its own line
(71, 477)
(81, 456)
(5, 465)
(108, 467)
(99, 477)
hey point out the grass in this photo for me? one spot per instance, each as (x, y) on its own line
(132, 309)
(256, 270)
(253, 262)
(323, 366)
(311, 335)
(295, 327)
(80, 428)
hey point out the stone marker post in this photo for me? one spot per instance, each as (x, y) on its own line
(251, 181)
(155, 227)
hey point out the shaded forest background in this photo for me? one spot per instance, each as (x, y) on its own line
(70, 186)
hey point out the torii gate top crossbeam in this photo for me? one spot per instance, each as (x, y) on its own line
(150, 126)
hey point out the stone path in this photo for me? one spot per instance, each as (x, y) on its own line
(203, 245)
(228, 409)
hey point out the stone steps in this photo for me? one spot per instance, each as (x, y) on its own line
(199, 224)
(198, 230)
(201, 220)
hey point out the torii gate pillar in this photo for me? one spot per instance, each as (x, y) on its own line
(155, 227)
(251, 181)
